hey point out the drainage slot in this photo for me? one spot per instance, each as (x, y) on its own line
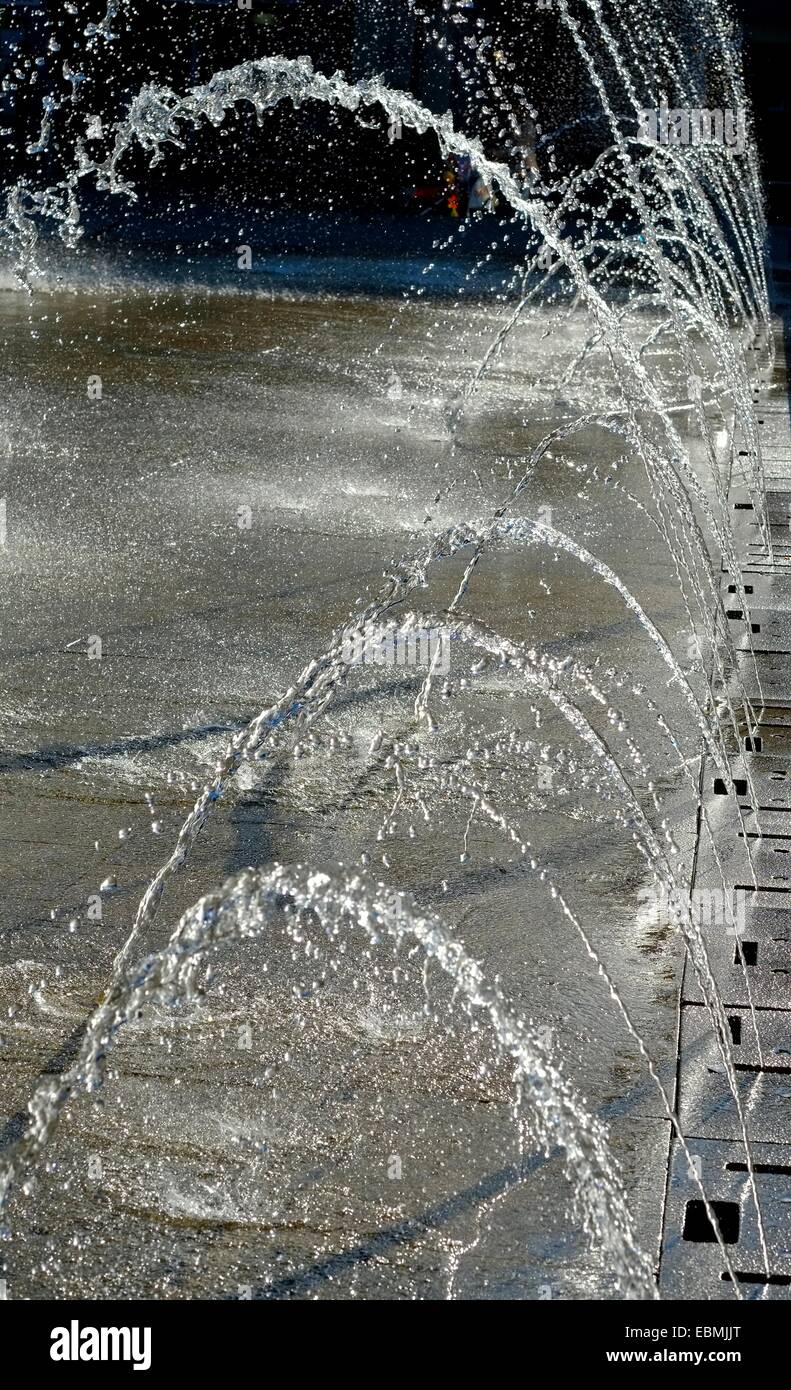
(754, 744)
(762, 887)
(749, 953)
(734, 613)
(698, 1228)
(777, 1170)
(754, 835)
(735, 1025)
(739, 783)
(754, 1067)
(758, 1278)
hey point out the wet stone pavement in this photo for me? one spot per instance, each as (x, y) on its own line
(245, 477)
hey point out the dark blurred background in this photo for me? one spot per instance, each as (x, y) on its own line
(315, 159)
(318, 159)
(767, 54)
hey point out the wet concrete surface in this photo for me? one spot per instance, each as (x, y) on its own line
(248, 473)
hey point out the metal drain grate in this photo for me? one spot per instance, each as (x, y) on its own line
(706, 1106)
(749, 946)
(692, 1262)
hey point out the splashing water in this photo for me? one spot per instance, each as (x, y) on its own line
(692, 279)
(254, 903)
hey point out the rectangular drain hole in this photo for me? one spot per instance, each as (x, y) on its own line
(759, 1071)
(732, 589)
(744, 506)
(749, 953)
(739, 783)
(734, 613)
(763, 887)
(743, 1277)
(754, 744)
(777, 1170)
(699, 1229)
(755, 627)
(735, 1025)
